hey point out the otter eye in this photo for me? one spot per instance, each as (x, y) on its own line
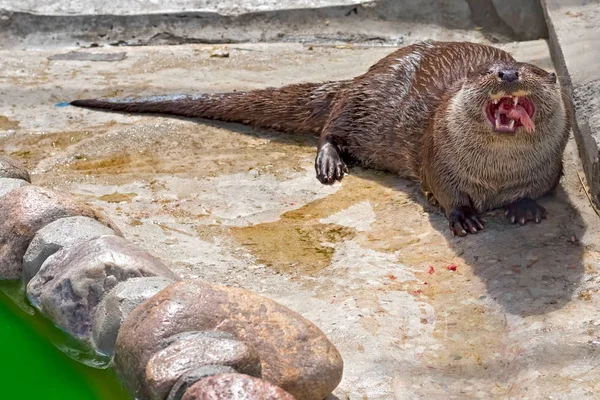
(552, 77)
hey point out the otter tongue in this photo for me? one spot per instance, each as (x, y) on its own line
(520, 114)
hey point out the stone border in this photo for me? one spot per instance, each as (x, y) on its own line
(575, 49)
(166, 338)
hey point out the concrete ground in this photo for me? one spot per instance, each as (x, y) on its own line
(365, 260)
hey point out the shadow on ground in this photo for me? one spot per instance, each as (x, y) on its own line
(529, 270)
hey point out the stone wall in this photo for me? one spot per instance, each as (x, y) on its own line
(575, 48)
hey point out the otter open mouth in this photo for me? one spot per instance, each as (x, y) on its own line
(508, 113)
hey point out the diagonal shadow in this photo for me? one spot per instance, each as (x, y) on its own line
(529, 270)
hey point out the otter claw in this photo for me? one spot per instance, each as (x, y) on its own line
(463, 220)
(329, 164)
(525, 210)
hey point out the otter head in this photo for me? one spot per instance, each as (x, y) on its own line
(508, 97)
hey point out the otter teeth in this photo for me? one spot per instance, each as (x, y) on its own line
(511, 125)
(495, 101)
(497, 121)
(515, 100)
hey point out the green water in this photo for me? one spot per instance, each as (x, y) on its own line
(31, 367)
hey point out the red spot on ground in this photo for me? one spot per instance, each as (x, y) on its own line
(392, 277)
(431, 270)
(572, 267)
(451, 267)
(425, 283)
(417, 292)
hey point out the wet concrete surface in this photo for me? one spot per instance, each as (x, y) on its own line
(511, 312)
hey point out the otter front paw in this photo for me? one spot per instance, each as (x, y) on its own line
(463, 220)
(525, 210)
(329, 164)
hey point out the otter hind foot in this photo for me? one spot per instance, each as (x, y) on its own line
(463, 220)
(525, 210)
(329, 164)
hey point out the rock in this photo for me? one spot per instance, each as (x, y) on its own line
(10, 168)
(64, 232)
(188, 353)
(71, 283)
(221, 53)
(26, 210)
(295, 355)
(117, 304)
(193, 376)
(7, 185)
(236, 387)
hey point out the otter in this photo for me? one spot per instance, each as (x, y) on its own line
(477, 129)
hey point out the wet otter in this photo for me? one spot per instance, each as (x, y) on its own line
(476, 128)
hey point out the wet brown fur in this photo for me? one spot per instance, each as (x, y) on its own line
(418, 113)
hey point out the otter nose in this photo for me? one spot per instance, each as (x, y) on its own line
(508, 75)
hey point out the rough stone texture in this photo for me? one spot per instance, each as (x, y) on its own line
(575, 46)
(294, 353)
(72, 282)
(192, 376)
(116, 306)
(10, 168)
(235, 387)
(168, 365)
(7, 185)
(64, 232)
(26, 210)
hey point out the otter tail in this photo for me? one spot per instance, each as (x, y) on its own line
(300, 108)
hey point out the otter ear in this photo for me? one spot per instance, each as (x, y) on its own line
(552, 77)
